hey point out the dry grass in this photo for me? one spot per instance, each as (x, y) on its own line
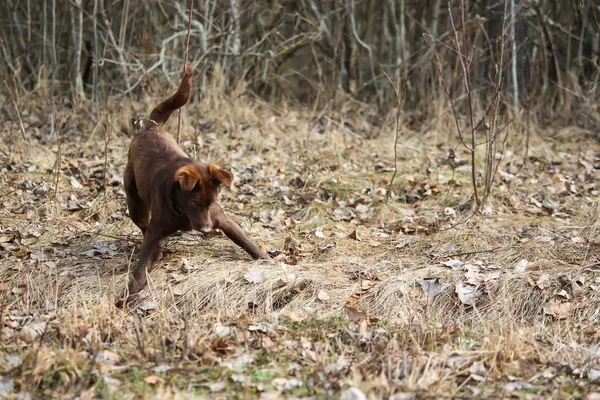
(334, 312)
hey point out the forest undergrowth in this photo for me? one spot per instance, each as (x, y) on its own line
(416, 298)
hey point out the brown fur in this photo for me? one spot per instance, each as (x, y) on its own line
(168, 192)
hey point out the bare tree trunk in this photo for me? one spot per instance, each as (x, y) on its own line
(402, 51)
(515, 82)
(23, 48)
(54, 67)
(95, 65)
(366, 46)
(234, 42)
(123, 30)
(435, 18)
(29, 21)
(78, 45)
(44, 33)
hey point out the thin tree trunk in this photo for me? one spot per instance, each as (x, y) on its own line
(44, 32)
(515, 82)
(95, 66)
(78, 44)
(436, 17)
(54, 67)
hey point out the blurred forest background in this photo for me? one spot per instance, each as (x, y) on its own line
(543, 54)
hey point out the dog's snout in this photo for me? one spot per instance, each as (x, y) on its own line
(204, 224)
(206, 228)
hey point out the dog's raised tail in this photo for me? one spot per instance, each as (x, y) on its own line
(163, 111)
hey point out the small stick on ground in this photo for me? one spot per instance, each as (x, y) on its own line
(138, 335)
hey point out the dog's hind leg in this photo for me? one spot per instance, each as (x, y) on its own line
(138, 209)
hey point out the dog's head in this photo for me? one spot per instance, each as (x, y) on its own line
(197, 188)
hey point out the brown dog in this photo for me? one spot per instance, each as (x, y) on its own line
(179, 193)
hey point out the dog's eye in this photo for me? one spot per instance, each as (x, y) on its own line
(194, 203)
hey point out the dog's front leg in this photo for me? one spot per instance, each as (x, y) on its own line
(233, 231)
(148, 254)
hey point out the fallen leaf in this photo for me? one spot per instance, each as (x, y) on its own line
(286, 384)
(185, 265)
(404, 396)
(557, 309)
(9, 361)
(147, 306)
(328, 246)
(565, 294)
(6, 386)
(353, 394)
(260, 328)
(594, 374)
(222, 331)
(492, 276)
(153, 379)
(467, 294)
(353, 235)
(217, 387)
(448, 248)
(323, 296)
(109, 356)
(431, 288)
(451, 212)
(178, 290)
(366, 284)
(32, 331)
(354, 315)
(478, 368)
(255, 276)
(549, 206)
(543, 281)
(75, 183)
(521, 265)
(454, 264)
(404, 242)
(543, 239)
(519, 385)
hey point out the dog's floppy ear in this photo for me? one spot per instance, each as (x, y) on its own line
(220, 174)
(187, 177)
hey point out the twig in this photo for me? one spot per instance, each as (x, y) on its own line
(106, 140)
(366, 47)
(53, 119)
(466, 66)
(5, 293)
(594, 14)
(438, 66)
(400, 99)
(138, 335)
(184, 348)
(185, 60)
(14, 101)
(468, 253)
